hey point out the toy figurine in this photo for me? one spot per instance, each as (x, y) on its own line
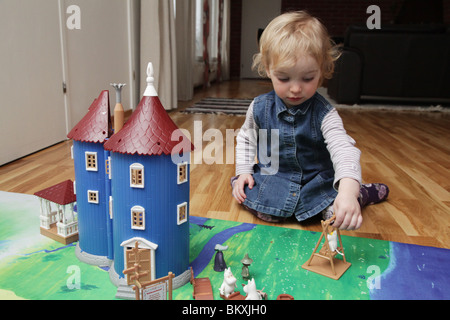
(228, 284)
(219, 262)
(246, 263)
(333, 242)
(250, 290)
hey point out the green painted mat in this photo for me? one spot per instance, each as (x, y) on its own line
(35, 267)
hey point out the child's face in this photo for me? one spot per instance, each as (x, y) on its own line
(298, 83)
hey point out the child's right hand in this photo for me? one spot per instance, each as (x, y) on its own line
(239, 184)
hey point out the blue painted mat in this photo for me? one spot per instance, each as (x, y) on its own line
(35, 267)
(381, 270)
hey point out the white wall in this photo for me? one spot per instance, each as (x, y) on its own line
(39, 52)
(255, 14)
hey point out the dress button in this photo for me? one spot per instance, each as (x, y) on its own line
(294, 194)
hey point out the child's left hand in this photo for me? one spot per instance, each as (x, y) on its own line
(346, 206)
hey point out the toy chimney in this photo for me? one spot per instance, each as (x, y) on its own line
(118, 109)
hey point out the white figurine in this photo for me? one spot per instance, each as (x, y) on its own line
(228, 284)
(250, 290)
(332, 242)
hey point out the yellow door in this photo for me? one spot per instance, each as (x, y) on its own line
(143, 260)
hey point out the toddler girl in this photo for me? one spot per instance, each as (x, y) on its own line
(314, 166)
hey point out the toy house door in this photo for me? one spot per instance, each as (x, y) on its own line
(144, 262)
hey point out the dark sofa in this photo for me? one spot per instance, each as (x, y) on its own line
(394, 63)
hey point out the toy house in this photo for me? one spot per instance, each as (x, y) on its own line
(141, 193)
(58, 220)
(88, 154)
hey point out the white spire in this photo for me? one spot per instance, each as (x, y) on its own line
(150, 91)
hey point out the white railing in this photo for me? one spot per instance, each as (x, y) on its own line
(47, 221)
(68, 229)
(44, 222)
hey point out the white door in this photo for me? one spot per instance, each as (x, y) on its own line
(255, 14)
(100, 48)
(32, 114)
(46, 43)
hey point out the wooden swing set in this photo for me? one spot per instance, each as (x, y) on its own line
(325, 262)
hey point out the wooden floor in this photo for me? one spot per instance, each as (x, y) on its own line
(409, 151)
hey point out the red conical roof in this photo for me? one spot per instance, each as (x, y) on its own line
(148, 132)
(96, 124)
(62, 193)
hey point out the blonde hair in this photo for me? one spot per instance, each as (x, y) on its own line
(291, 35)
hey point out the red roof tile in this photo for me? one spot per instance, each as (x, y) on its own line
(96, 124)
(148, 132)
(62, 193)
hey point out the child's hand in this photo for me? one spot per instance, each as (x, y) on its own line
(346, 206)
(239, 184)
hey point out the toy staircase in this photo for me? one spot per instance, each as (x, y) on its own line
(125, 292)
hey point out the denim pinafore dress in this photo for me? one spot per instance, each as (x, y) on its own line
(296, 176)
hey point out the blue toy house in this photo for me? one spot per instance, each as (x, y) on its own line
(142, 194)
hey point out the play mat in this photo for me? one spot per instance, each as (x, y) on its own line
(38, 268)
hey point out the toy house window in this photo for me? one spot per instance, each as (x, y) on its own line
(136, 175)
(182, 213)
(182, 172)
(138, 218)
(91, 161)
(92, 196)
